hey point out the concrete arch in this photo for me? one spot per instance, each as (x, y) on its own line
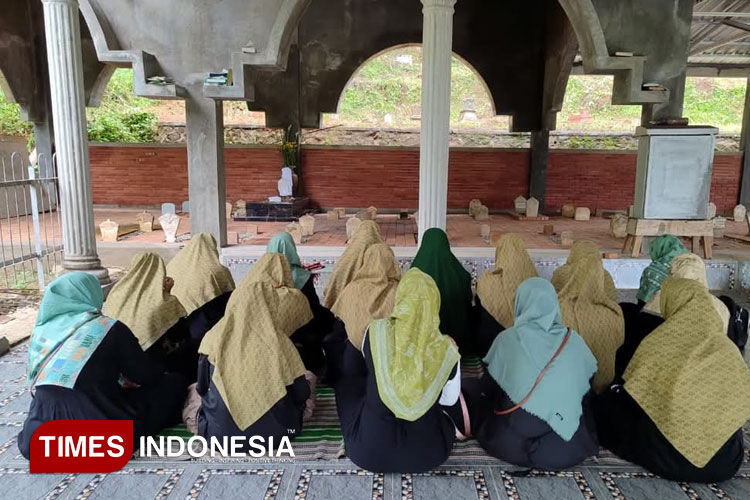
(418, 45)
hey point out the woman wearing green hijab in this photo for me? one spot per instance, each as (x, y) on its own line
(398, 399)
(77, 359)
(309, 338)
(662, 250)
(531, 408)
(454, 282)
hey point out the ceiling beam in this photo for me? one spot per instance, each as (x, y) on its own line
(721, 14)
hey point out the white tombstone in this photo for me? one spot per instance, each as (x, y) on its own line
(109, 230)
(582, 213)
(618, 226)
(711, 211)
(168, 208)
(296, 231)
(286, 183)
(145, 222)
(483, 213)
(532, 207)
(308, 225)
(170, 223)
(474, 206)
(520, 204)
(484, 231)
(351, 227)
(739, 213)
(568, 211)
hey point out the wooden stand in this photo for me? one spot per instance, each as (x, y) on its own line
(695, 229)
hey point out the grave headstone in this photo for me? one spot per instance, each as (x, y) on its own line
(364, 215)
(286, 183)
(474, 206)
(485, 232)
(739, 213)
(109, 230)
(145, 222)
(373, 212)
(296, 231)
(351, 227)
(233, 238)
(186, 207)
(520, 204)
(583, 213)
(548, 229)
(308, 225)
(170, 223)
(618, 226)
(568, 211)
(240, 208)
(252, 230)
(332, 215)
(229, 208)
(483, 213)
(532, 207)
(341, 211)
(168, 208)
(720, 226)
(566, 238)
(631, 210)
(711, 211)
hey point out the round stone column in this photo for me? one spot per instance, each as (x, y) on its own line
(63, 35)
(437, 42)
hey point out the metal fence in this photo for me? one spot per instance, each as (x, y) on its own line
(30, 226)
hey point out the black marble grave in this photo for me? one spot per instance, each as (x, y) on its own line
(267, 211)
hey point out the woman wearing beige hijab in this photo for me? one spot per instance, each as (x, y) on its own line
(585, 290)
(142, 301)
(251, 378)
(496, 290)
(367, 234)
(202, 285)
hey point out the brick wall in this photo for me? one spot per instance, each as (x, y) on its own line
(387, 178)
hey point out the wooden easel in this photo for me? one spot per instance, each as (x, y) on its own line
(695, 229)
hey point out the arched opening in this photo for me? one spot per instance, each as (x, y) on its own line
(385, 92)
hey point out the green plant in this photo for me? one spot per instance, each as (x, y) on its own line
(10, 119)
(289, 147)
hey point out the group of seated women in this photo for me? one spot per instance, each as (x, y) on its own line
(567, 368)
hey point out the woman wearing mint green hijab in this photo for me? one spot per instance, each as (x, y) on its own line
(86, 366)
(454, 282)
(532, 407)
(309, 338)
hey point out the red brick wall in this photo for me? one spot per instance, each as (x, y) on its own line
(387, 178)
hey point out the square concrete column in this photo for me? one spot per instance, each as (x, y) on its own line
(63, 34)
(207, 185)
(434, 145)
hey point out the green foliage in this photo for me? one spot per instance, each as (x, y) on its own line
(122, 116)
(10, 119)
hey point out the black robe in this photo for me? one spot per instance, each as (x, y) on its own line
(487, 329)
(522, 438)
(374, 438)
(283, 419)
(626, 430)
(309, 338)
(177, 349)
(97, 394)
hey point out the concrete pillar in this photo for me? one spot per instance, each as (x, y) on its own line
(63, 35)
(207, 187)
(437, 40)
(745, 146)
(538, 165)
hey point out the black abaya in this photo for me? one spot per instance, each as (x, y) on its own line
(98, 395)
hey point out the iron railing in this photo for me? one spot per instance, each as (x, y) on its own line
(30, 226)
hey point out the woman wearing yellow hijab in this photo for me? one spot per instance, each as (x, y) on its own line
(370, 294)
(686, 394)
(496, 290)
(367, 234)
(588, 304)
(250, 377)
(393, 416)
(142, 300)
